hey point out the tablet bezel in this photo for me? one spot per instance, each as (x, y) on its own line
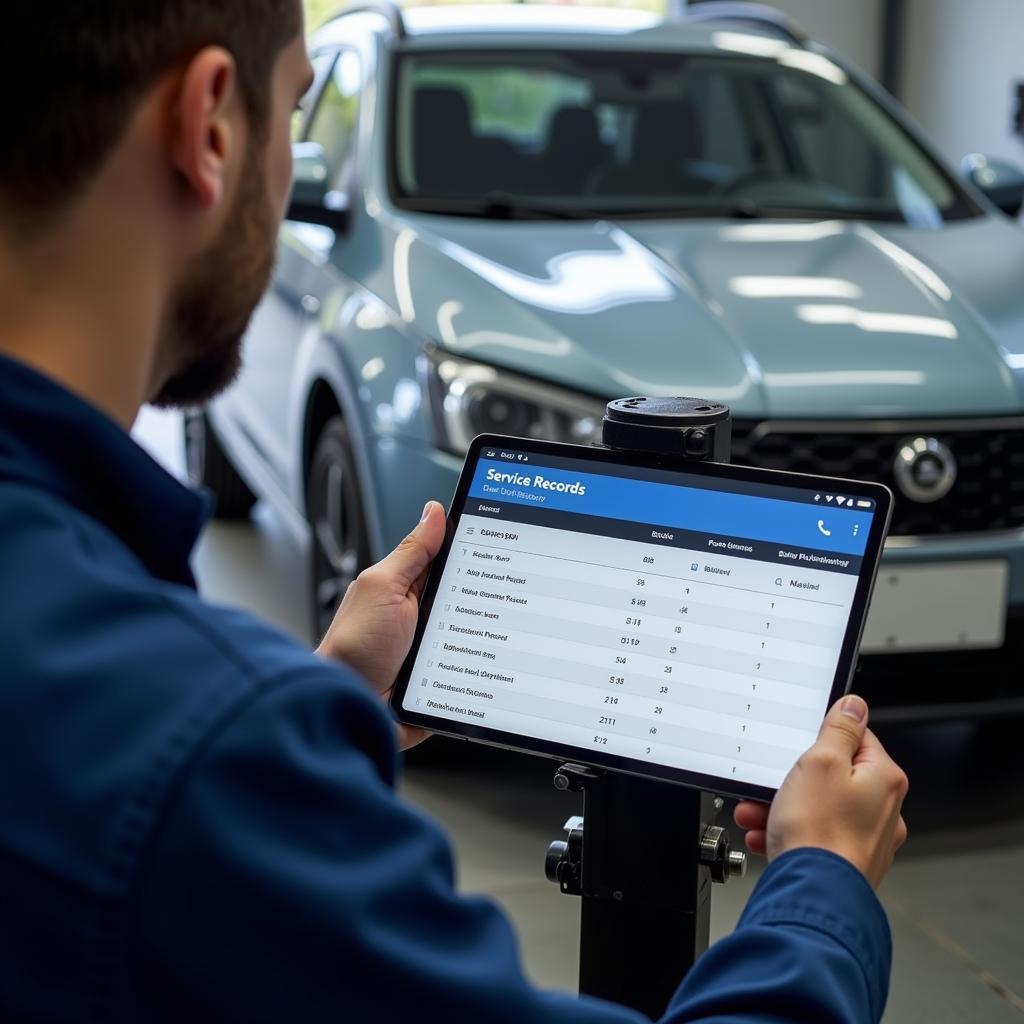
(845, 669)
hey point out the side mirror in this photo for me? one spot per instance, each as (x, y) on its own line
(313, 201)
(1000, 180)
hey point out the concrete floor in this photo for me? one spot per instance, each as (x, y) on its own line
(955, 897)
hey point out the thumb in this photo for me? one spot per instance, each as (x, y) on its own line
(412, 557)
(844, 726)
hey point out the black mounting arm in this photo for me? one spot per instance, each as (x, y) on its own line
(644, 853)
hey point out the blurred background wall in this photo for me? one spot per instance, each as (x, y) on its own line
(853, 27)
(962, 65)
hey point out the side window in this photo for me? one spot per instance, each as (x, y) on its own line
(322, 63)
(336, 120)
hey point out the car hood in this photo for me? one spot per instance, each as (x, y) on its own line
(792, 319)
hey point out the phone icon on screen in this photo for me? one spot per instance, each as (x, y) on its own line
(823, 528)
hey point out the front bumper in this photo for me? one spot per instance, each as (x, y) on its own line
(947, 685)
(952, 684)
(1004, 545)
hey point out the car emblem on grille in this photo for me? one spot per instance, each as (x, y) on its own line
(925, 469)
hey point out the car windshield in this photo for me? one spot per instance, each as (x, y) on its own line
(591, 134)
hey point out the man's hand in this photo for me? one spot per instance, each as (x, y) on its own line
(374, 627)
(843, 795)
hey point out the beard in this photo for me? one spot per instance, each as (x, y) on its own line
(209, 311)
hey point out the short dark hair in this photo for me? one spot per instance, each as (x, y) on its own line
(73, 71)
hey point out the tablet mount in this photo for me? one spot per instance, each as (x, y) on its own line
(652, 849)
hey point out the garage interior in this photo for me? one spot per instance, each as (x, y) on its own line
(955, 898)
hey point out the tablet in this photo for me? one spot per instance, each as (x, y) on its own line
(685, 622)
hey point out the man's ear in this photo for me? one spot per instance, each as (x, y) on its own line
(207, 125)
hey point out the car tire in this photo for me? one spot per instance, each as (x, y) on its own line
(340, 548)
(209, 466)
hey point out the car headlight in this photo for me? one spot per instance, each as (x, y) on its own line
(473, 398)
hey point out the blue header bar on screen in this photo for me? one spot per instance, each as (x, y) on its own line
(722, 513)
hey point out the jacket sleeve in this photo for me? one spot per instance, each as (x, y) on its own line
(287, 882)
(811, 947)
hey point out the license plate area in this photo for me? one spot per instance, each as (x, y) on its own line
(938, 607)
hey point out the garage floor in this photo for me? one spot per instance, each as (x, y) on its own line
(955, 896)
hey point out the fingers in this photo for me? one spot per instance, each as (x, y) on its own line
(410, 560)
(410, 736)
(757, 842)
(751, 815)
(873, 753)
(753, 818)
(901, 834)
(842, 732)
(874, 757)
(871, 750)
(419, 583)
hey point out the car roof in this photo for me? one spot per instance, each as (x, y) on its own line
(466, 26)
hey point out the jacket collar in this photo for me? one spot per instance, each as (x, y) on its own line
(53, 440)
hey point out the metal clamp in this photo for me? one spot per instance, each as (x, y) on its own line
(715, 852)
(564, 858)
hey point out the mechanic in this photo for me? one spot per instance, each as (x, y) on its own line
(198, 819)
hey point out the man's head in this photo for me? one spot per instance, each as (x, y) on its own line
(172, 111)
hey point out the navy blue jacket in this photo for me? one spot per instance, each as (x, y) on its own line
(198, 818)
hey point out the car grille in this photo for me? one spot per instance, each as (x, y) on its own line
(988, 493)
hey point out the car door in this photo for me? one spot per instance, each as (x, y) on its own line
(312, 255)
(260, 402)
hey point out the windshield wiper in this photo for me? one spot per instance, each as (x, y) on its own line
(509, 205)
(746, 209)
(505, 204)
(501, 206)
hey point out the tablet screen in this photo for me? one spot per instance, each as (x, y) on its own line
(678, 619)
